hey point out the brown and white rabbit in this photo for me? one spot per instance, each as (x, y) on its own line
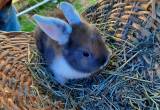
(72, 49)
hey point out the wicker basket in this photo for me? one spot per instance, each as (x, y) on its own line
(130, 81)
(125, 19)
(17, 88)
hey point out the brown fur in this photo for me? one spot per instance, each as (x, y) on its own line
(87, 37)
(40, 35)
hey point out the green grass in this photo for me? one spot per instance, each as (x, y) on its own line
(80, 7)
(26, 25)
(26, 21)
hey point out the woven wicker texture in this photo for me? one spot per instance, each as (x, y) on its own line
(17, 91)
(132, 29)
(126, 19)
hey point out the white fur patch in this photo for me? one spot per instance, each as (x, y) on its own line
(61, 68)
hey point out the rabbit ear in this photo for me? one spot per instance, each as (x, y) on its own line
(55, 28)
(70, 13)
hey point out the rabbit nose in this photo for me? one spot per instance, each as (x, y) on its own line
(85, 54)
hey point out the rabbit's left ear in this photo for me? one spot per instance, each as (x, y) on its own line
(55, 28)
(70, 13)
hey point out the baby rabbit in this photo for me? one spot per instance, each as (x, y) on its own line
(72, 49)
(8, 19)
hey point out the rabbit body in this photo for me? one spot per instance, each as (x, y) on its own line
(73, 49)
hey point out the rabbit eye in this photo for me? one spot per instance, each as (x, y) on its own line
(85, 54)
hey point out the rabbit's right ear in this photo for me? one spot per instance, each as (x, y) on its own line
(55, 28)
(70, 13)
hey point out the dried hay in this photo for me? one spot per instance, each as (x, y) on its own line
(131, 80)
(17, 88)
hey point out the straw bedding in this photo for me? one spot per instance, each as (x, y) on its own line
(17, 88)
(131, 28)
